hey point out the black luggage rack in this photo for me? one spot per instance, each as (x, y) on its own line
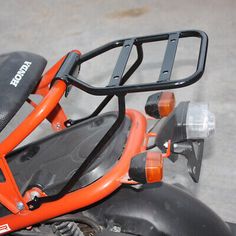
(69, 71)
(118, 78)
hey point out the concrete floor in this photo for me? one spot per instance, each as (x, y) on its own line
(52, 28)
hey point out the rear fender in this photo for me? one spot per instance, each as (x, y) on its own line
(157, 209)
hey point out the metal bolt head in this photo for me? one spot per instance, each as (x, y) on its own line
(175, 145)
(116, 229)
(58, 126)
(20, 205)
(165, 145)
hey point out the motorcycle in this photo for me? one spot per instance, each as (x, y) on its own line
(102, 174)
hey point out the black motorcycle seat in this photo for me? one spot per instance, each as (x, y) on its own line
(20, 72)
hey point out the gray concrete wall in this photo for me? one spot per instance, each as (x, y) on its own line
(52, 28)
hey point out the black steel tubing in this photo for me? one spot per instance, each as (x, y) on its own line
(108, 98)
(160, 85)
(36, 202)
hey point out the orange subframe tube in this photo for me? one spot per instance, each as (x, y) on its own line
(93, 192)
(35, 118)
(79, 198)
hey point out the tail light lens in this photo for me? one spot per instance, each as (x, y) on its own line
(200, 122)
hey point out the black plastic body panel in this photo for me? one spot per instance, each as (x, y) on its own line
(158, 209)
(173, 127)
(232, 228)
(50, 162)
(109, 233)
(26, 70)
(151, 106)
(137, 170)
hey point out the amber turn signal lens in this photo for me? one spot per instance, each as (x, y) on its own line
(160, 104)
(146, 167)
(154, 167)
(166, 104)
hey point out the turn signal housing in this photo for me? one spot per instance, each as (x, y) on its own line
(160, 104)
(147, 167)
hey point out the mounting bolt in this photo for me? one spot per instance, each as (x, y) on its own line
(20, 206)
(165, 145)
(58, 126)
(68, 123)
(116, 229)
(175, 145)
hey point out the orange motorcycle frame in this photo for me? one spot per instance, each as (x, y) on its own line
(50, 109)
(52, 91)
